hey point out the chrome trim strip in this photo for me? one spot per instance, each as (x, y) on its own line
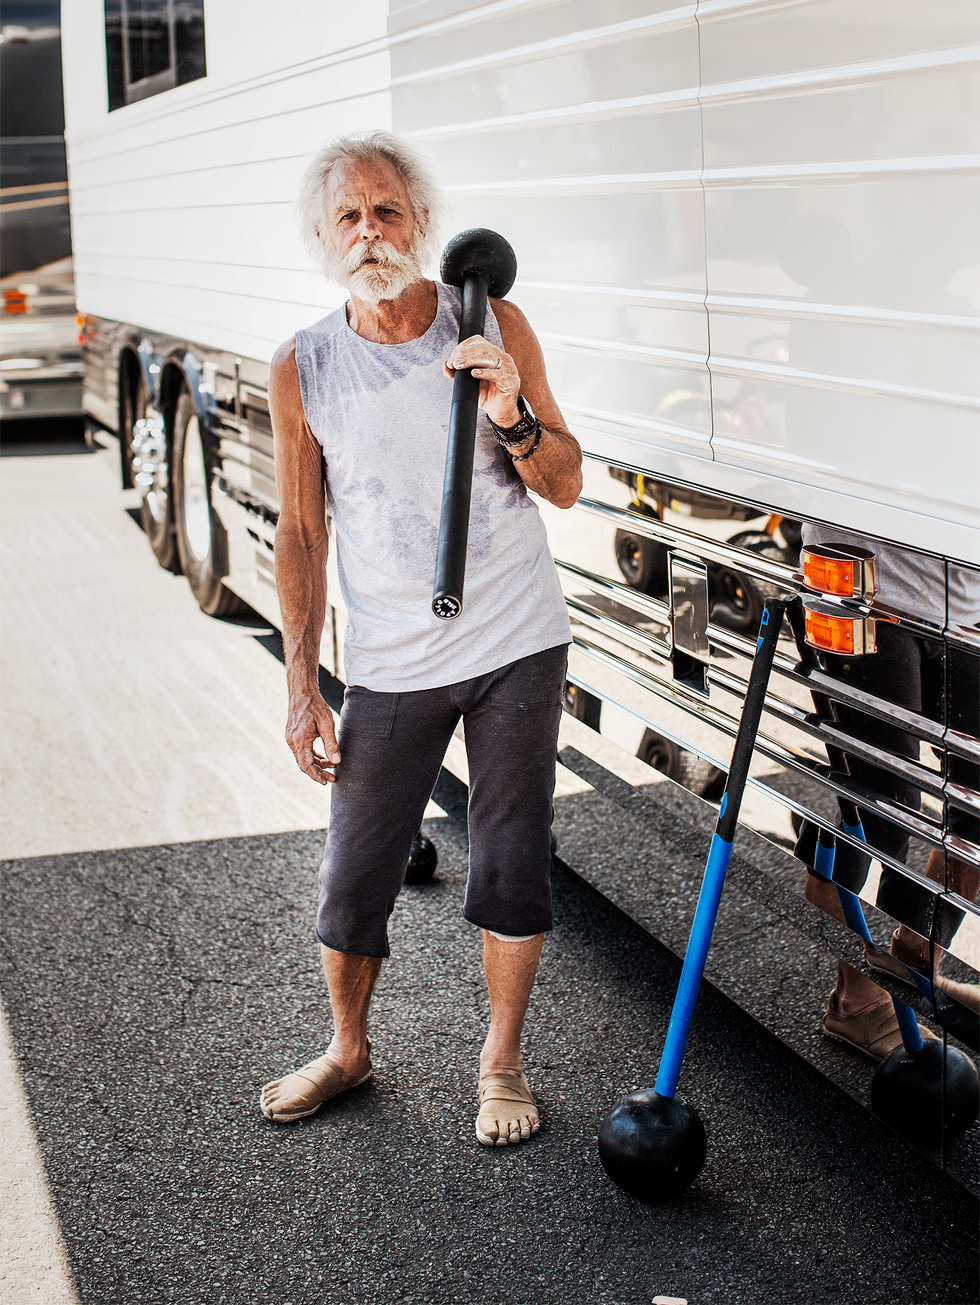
(752, 564)
(766, 748)
(652, 607)
(640, 640)
(826, 733)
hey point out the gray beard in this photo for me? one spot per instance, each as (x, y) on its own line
(372, 282)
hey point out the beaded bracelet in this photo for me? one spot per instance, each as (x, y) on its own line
(531, 450)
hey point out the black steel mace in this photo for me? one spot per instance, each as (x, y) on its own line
(482, 264)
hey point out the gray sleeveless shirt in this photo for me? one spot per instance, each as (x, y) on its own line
(381, 413)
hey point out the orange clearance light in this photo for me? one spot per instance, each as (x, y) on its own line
(839, 570)
(829, 575)
(79, 319)
(832, 630)
(14, 301)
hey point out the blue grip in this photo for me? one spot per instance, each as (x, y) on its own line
(923, 984)
(693, 969)
(908, 1026)
(823, 860)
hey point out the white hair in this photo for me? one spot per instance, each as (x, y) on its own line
(368, 147)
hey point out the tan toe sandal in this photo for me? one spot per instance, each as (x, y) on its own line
(320, 1080)
(498, 1095)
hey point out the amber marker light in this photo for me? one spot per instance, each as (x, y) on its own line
(840, 571)
(831, 629)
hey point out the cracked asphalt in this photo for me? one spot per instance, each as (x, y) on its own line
(151, 991)
(158, 965)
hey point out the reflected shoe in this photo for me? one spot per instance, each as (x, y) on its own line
(967, 994)
(888, 962)
(875, 1033)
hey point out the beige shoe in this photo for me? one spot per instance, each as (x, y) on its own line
(508, 1114)
(304, 1091)
(889, 962)
(967, 994)
(874, 1032)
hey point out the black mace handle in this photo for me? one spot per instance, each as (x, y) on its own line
(481, 263)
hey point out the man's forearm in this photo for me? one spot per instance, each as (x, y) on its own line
(554, 469)
(302, 584)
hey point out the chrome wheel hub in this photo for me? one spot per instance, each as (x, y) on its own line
(151, 474)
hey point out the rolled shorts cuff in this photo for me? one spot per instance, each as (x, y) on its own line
(347, 951)
(509, 935)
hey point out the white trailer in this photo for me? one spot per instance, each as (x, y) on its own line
(747, 237)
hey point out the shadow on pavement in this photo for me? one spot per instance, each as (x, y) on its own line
(151, 992)
(38, 437)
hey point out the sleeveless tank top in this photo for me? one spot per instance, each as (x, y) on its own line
(381, 414)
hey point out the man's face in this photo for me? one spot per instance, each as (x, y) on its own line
(369, 233)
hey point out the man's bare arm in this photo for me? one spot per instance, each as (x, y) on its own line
(301, 560)
(554, 470)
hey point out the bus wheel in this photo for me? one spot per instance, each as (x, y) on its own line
(201, 539)
(687, 768)
(641, 561)
(150, 457)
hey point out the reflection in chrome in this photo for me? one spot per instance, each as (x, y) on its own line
(151, 472)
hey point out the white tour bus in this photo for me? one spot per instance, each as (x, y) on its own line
(746, 234)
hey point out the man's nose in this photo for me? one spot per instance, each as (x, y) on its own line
(369, 229)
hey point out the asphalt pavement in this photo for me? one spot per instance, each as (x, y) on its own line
(150, 990)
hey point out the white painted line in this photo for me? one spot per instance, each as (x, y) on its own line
(33, 1264)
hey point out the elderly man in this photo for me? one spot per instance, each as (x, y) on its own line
(360, 408)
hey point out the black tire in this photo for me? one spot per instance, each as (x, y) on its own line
(684, 767)
(132, 406)
(736, 599)
(422, 860)
(757, 541)
(792, 533)
(201, 539)
(585, 707)
(642, 562)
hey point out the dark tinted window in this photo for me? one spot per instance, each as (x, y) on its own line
(34, 223)
(152, 46)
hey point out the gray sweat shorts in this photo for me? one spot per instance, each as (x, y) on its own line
(392, 746)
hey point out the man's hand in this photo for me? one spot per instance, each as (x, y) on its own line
(500, 381)
(310, 719)
(554, 470)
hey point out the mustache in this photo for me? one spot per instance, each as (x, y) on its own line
(379, 254)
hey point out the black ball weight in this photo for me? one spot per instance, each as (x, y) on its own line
(422, 860)
(653, 1147)
(909, 1094)
(482, 253)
